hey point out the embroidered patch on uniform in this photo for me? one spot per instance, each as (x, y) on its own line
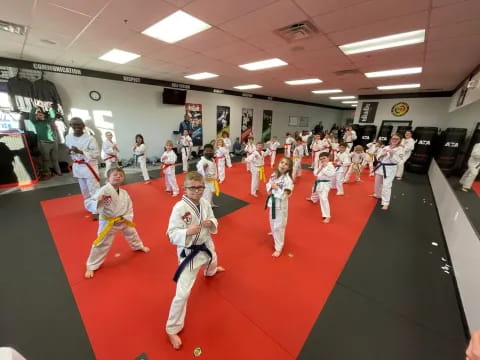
(107, 199)
(187, 218)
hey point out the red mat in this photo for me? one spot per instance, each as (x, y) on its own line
(261, 308)
(476, 187)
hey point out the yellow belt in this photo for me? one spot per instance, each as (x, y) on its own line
(261, 173)
(106, 229)
(217, 186)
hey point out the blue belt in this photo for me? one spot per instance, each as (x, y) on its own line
(383, 165)
(188, 259)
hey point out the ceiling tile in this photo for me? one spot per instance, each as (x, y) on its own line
(315, 7)
(19, 12)
(455, 13)
(53, 19)
(85, 7)
(206, 40)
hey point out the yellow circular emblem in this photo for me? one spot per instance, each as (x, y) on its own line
(197, 351)
(400, 109)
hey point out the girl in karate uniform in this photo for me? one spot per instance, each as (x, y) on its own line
(139, 151)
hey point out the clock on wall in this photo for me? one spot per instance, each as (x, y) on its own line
(95, 95)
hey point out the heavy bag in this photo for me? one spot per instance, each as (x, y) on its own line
(368, 134)
(385, 133)
(425, 138)
(449, 145)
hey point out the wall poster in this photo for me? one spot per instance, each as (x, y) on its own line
(223, 120)
(247, 123)
(194, 113)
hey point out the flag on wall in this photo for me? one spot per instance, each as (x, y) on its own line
(194, 113)
(267, 125)
(223, 120)
(247, 123)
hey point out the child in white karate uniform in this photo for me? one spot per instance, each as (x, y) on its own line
(357, 158)
(279, 189)
(257, 169)
(249, 149)
(289, 141)
(186, 145)
(324, 173)
(272, 147)
(168, 159)
(221, 154)
(206, 166)
(349, 137)
(109, 152)
(116, 214)
(189, 228)
(139, 152)
(298, 153)
(371, 151)
(228, 146)
(84, 152)
(388, 157)
(341, 162)
(408, 144)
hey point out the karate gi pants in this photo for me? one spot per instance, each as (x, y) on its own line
(108, 165)
(142, 161)
(401, 165)
(208, 192)
(273, 154)
(383, 186)
(337, 181)
(88, 187)
(99, 252)
(185, 155)
(322, 194)
(279, 224)
(297, 168)
(469, 176)
(255, 179)
(171, 180)
(178, 308)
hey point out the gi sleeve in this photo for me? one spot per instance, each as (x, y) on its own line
(177, 230)
(91, 152)
(210, 216)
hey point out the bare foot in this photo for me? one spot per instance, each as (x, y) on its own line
(385, 207)
(145, 249)
(269, 233)
(255, 195)
(276, 254)
(89, 274)
(147, 182)
(464, 189)
(220, 269)
(373, 195)
(340, 194)
(326, 220)
(175, 341)
(175, 194)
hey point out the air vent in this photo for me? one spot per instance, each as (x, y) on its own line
(347, 72)
(299, 31)
(12, 28)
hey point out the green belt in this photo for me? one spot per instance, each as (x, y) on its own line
(273, 205)
(317, 182)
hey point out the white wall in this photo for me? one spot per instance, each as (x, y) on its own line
(465, 117)
(422, 111)
(129, 109)
(463, 244)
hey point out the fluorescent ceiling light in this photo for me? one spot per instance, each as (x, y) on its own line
(331, 91)
(350, 102)
(119, 56)
(396, 72)
(176, 27)
(401, 86)
(303, 82)
(342, 97)
(384, 42)
(264, 64)
(201, 76)
(246, 87)
(353, 105)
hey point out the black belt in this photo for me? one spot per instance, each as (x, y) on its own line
(188, 259)
(318, 182)
(383, 167)
(273, 205)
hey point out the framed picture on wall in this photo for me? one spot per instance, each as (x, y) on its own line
(304, 120)
(294, 121)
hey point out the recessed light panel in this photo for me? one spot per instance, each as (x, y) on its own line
(342, 97)
(395, 72)
(303, 82)
(247, 87)
(264, 64)
(119, 56)
(329, 91)
(400, 86)
(201, 76)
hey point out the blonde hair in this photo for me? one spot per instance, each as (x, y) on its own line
(193, 176)
(169, 143)
(358, 148)
(220, 139)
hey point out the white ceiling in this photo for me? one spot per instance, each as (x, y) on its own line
(243, 31)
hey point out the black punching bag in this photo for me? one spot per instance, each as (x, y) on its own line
(385, 133)
(368, 134)
(449, 144)
(425, 138)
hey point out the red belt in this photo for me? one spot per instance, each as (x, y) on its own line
(110, 157)
(165, 166)
(89, 168)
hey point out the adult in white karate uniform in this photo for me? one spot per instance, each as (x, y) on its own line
(109, 152)
(207, 167)
(279, 189)
(388, 157)
(324, 173)
(289, 141)
(257, 160)
(408, 144)
(228, 146)
(221, 154)
(168, 159)
(189, 228)
(272, 146)
(116, 214)
(84, 152)
(186, 145)
(473, 167)
(140, 153)
(341, 161)
(349, 137)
